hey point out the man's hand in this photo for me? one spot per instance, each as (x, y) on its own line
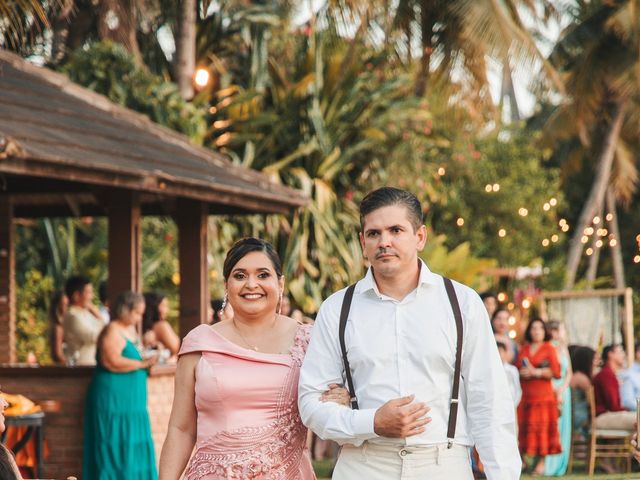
(398, 418)
(634, 442)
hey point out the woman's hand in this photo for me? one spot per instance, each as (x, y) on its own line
(527, 372)
(336, 394)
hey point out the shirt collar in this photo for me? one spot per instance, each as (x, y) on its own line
(368, 283)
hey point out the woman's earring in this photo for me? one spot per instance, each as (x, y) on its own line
(280, 303)
(224, 302)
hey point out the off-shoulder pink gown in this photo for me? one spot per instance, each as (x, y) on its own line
(248, 423)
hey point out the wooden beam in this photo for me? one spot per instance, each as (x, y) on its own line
(605, 292)
(191, 218)
(125, 266)
(7, 283)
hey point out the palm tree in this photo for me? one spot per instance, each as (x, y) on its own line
(598, 55)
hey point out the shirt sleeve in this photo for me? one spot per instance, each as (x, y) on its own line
(85, 331)
(322, 366)
(627, 393)
(490, 412)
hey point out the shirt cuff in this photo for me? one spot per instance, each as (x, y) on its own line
(363, 421)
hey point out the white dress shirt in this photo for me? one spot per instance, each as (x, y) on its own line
(398, 348)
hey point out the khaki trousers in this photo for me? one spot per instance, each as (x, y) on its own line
(377, 462)
(616, 421)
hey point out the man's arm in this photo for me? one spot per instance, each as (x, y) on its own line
(611, 393)
(490, 412)
(323, 366)
(627, 392)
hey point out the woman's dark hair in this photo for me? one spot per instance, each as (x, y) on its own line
(54, 306)
(527, 332)
(495, 314)
(582, 360)
(125, 301)
(7, 469)
(245, 246)
(151, 314)
(388, 196)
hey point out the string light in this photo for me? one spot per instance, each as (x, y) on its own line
(636, 259)
(553, 202)
(526, 303)
(512, 320)
(512, 334)
(496, 187)
(545, 242)
(201, 78)
(523, 212)
(441, 171)
(554, 238)
(613, 242)
(589, 251)
(588, 231)
(511, 306)
(502, 232)
(460, 221)
(599, 243)
(562, 222)
(487, 188)
(546, 207)
(596, 220)
(584, 239)
(502, 297)
(609, 217)
(565, 228)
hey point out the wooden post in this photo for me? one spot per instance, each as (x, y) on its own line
(125, 266)
(628, 326)
(7, 283)
(194, 271)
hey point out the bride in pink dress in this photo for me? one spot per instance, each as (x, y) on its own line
(237, 383)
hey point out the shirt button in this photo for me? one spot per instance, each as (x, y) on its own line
(403, 453)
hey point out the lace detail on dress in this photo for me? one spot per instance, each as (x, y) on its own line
(269, 452)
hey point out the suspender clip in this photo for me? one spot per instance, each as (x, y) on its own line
(449, 443)
(454, 400)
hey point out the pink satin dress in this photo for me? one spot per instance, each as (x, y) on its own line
(247, 402)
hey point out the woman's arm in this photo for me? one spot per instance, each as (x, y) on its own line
(111, 345)
(165, 334)
(58, 334)
(181, 435)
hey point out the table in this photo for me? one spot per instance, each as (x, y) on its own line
(33, 423)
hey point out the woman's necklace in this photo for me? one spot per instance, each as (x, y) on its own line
(251, 345)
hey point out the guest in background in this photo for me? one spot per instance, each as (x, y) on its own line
(117, 431)
(583, 362)
(157, 332)
(490, 301)
(104, 302)
(538, 409)
(216, 307)
(556, 465)
(500, 327)
(82, 323)
(610, 414)
(630, 383)
(513, 376)
(57, 310)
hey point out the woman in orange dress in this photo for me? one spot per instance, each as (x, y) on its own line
(538, 410)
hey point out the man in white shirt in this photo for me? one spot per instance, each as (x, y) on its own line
(82, 323)
(401, 345)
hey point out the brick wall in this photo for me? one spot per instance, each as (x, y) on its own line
(63, 430)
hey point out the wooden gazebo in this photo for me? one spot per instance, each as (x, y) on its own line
(66, 151)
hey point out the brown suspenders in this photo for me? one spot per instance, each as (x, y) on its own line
(453, 300)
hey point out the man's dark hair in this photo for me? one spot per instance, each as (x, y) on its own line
(485, 295)
(245, 246)
(502, 346)
(606, 351)
(75, 284)
(388, 196)
(102, 292)
(527, 332)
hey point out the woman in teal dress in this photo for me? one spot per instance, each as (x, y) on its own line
(556, 465)
(117, 431)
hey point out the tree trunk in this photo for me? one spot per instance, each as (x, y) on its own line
(118, 22)
(508, 92)
(60, 32)
(616, 251)
(426, 32)
(594, 259)
(185, 61)
(596, 195)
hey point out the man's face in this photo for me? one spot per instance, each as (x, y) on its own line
(617, 355)
(389, 241)
(84, 297)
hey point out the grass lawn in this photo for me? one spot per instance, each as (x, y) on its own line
(323, 468)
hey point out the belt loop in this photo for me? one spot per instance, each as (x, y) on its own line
(438, 454)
